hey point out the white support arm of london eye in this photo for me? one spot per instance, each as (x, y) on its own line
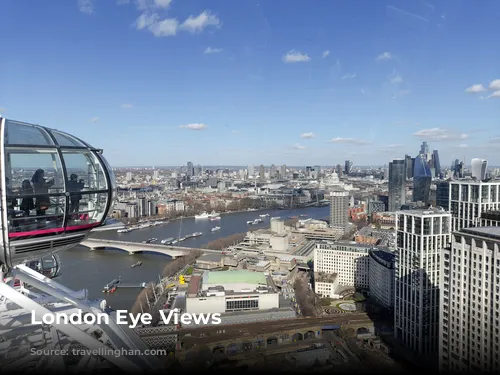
(98, 338)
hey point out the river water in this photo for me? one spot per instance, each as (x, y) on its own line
(92, 270)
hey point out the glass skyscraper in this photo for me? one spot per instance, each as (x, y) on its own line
(422, 178)
(397, 184)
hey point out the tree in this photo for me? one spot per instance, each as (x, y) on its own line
(325, 301)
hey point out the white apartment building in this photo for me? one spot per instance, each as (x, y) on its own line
(381, 277)
(470, 198)
(347, 259)
(421, 236)
(470, 302)
(339, 209)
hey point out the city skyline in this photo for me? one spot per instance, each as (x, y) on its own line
(159, 82)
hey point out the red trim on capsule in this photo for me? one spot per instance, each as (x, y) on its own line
(52, 230)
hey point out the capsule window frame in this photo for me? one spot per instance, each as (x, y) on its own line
(54, 148)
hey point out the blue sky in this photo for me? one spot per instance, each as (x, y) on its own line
(158, 82)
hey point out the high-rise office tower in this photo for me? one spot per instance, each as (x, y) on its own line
(339, 209)
(478, 167)
(338, 169)
(397, 184)
(436, 163)
(470, 198)
(272, 171)
(421, 236)
(424, 150)
(409, 162)
(309, 171)
(198, 170)
(347, 166)
(317, 171)
(283, 171)
(470, 302)
(458, 169)
(190, 169)
(251, 170)
(262, 172)
(422, 179)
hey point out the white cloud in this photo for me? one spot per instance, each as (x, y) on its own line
(151, 20)
(94, 119)
(150, 4)
(194, 126)
(163, 3)
(440, 134)
(385, 56)
(127, 106)
(146, 20)
(475, 89)
(495, 94)
(353, 141)
(495, 84)
(495, 139)
(212, 50)
(294, 56)
(298, 147)
(348, 76)
(199, 23)
(167, 27)
(396, 79)
(86, 6)
(325, 53)
(462, 145)
(307, 135)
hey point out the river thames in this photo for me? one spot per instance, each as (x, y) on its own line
(92, 270)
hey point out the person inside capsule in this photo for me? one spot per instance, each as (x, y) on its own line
(27, 203)
(41, 188)
(75, 186)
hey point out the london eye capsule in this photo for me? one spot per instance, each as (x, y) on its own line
(55, 188)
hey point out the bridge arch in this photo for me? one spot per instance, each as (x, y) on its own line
(309, 335)
(246, 346)
(285, 337)
(362, 331)
(233, 348)
(272, 341)
(297, 337)
(260, 343)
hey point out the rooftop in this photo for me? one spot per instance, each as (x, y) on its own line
(425, 212)
(475, 182)
(490, 232)
(323, 277)
(384, 255)
(234, 277)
